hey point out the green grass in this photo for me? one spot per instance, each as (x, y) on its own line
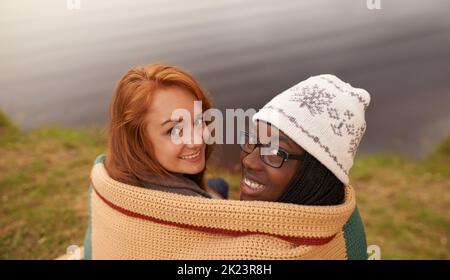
(405, 205)
(44, 177)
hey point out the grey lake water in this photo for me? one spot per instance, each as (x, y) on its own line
(60, 65)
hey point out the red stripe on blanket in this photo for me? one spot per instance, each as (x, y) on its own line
(235, 233)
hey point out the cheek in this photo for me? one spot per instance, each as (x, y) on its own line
(278, 182)
(280, 178)
(167, 153)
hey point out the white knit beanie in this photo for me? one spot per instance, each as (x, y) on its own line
(323, 115)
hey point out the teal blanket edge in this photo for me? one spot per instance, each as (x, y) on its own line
(88, 235)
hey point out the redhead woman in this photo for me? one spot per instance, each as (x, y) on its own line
(141, 150)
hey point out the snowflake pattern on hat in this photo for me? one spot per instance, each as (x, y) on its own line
(313, 98)
(317, 101)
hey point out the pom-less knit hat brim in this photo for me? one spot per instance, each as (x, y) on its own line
(323, 115)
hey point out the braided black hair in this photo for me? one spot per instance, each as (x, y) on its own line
(313, 184)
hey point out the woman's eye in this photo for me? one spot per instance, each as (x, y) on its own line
(176, 131)
(198, 122)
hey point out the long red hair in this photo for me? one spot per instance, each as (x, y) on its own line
(130, 158)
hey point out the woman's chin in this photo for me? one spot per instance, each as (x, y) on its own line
(193, 171)
(193, 168)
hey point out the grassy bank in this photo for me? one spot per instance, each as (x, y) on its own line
(44, 175)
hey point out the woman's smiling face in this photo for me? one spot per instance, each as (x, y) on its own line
(260, 181)
(181, 158)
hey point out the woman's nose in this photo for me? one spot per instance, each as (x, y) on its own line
(196, 138)
(252, 160)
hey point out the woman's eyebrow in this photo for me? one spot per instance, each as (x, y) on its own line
(180, 119)
(282, 137)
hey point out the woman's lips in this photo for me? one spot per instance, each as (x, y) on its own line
(194, 157)
(251, 187)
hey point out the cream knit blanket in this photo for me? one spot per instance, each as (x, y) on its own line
(129, 222)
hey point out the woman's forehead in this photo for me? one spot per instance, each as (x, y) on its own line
(166, 101)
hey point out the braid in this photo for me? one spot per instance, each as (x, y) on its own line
(313, 184)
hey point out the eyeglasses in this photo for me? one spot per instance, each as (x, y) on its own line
(275, 158)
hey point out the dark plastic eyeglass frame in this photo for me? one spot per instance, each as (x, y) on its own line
(280, 152)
